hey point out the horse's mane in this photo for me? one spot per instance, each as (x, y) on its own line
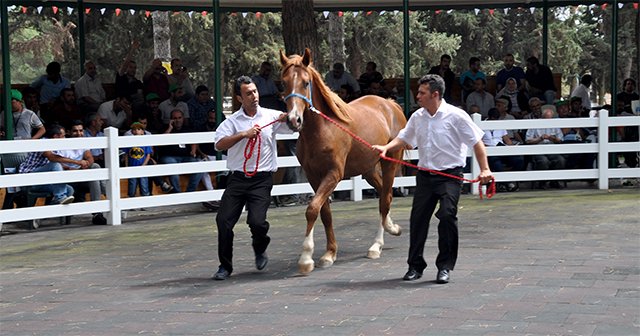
(339, 108)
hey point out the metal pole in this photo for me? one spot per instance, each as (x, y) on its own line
(216, 60)
(614, 57)
(545, 32)
(6, 73)
(407, 87)
(81, 35)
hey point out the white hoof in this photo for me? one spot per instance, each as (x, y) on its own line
(373, 254)
(394, 230)
(325, 262)
(305, 268)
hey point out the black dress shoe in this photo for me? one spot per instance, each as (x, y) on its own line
(221, 274)
(412, 275)
(443, 276)
(261, 261)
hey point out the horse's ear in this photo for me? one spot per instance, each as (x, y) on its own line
(307, 59)
(283, 58)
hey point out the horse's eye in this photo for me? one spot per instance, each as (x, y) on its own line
(306, 84)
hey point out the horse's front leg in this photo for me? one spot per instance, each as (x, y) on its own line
(332, 246)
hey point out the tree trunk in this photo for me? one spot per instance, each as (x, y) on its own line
(161, 35)
(299, 27)
(336, 38)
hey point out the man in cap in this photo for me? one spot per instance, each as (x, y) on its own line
(174, 102)
(25, 121)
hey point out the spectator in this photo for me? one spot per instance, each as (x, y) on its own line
(480, 97)
(207, 152)
(127, 85)
(50, 84)
(346, 93)
(89, 90)
(577, 109)
(535, 109)
(135, 157)
(629, 133)
(444, 71)
(199, 107)
(152, 111)
(371, 75)
(47, 161)
(82, 159)
(155, 80)
(583, 91)
(180, 77)
(116, 113)
(269, 91)
(31, 100)
(546, 136)
(93, 128)
(468, 78)
(27, 125)
(174, 102)
(509, 71)
(338, 77)
(179, 153)
(503, 106)
(64, 110)
(517, 97)
(628, 94)
(500, 137)
(398, 93)
(539, 80)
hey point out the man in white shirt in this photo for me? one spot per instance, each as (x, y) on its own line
(583, 91)
(116, 113)
(442, 133)
(89, 90)
(174, 103)
(249, 183)
(338, 77)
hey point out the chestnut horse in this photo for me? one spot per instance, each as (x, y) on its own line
(329, 154)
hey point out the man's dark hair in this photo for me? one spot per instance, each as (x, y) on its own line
(55, 129)
(624, 83)
(200, 89)
(62, 92)
(473, 60)
(373, 65)
(239, 82)
(533, 60)
(586, 80)
(77, 122)
(445, 56)
(435, 82)
(54, 67)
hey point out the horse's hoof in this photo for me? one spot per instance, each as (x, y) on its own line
(373, 254)
(305, 268)
(325, 263)
(396, 230)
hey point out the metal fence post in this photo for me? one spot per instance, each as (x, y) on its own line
(112, 162)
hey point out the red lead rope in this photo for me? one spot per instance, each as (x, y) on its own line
(249, 148)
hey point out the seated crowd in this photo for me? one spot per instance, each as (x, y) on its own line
(169, 103)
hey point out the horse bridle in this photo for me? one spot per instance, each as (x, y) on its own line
(309, 99)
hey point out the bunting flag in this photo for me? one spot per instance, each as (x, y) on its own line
(55, 9)
(258, 15)
(24, 10)
(476, 11)
(147, 13)
(506, 10)
(39, 9)
(604, 6)
(620, 5)
(118, 11)
(69, 10)
(395, 12)
(450, 11)
(340, 14)
(382, 12)
(325, 14)
(438, 12)
(87, 10)
(491, 11)
(204, 13)
(190, 14)
(244, 14)
(355, 14)
(132, 11)
(102, 10)
(635, 5)
(532, 9)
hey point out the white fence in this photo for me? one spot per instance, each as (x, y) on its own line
(112, 143)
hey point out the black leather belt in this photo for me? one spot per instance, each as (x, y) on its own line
(450, 171)
(258, 174)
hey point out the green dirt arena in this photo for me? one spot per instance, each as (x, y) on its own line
(530, 263)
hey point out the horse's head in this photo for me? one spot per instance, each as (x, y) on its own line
(297, 81)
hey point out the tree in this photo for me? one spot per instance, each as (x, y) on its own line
(299, 27)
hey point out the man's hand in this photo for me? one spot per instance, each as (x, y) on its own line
(381, 149)
(252, 132)
(485, 176)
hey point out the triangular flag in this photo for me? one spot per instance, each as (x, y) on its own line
(190, 14)
(382, 12)
(87, 10)
(24, 10)
(369, 13)
(635, 5)
(340, 14)
(55, 9)
(39, 9)
(604, 6)
(476, 11)
(395, 12)
(118, 10)
(132, 11)
(147, 13)
(325, 14)
(532, 9)
(450, 11)
(244, 14)
(204, 13)
(438, 12)
(355, 14)
(102, 10)
(69, 10)
(506, 10)
(258, 15)
(491, 11)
